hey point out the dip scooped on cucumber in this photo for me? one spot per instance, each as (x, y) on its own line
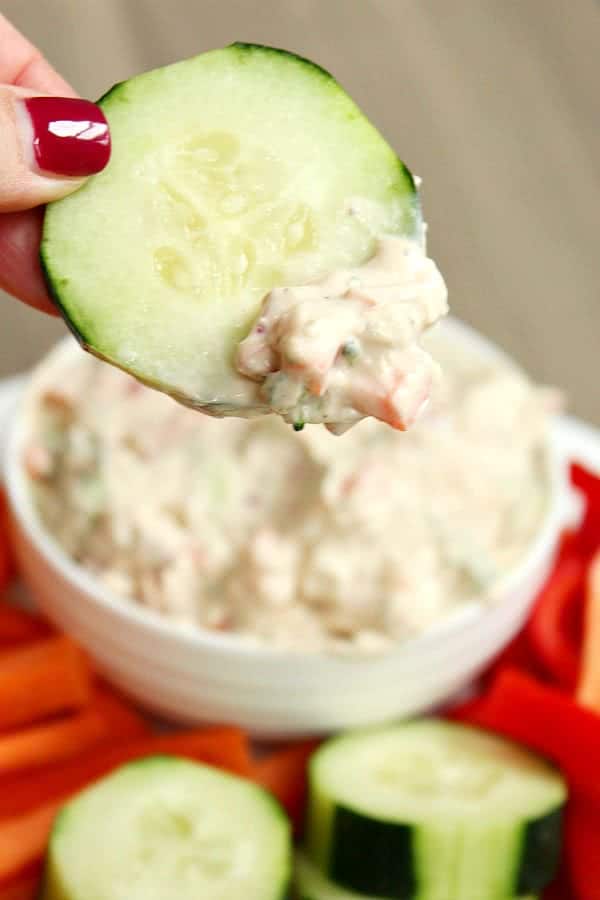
(254, 246)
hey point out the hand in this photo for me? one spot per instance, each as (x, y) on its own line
(49, 142)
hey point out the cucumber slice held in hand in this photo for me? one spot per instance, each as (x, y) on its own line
(165, 828)
(234, 172)
(430, 810)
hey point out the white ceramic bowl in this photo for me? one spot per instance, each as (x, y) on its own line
(200, 676)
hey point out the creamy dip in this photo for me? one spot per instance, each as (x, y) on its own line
(302, 541)
(348, 345)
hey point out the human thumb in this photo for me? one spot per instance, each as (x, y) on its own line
(48, 146)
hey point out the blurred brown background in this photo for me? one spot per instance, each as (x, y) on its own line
(495, 103)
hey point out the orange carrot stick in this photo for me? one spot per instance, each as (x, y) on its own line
(284, 773)
(224, 747)
(588, 687)
(41, 680)
(23, 839)
(25, 828)
(54, 742)
(107, 718)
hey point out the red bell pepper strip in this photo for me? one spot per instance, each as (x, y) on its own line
(7, 568)
(517, 654)
(582, 846)
(558, 890)
(475, 711)
(588, 534)
(550, 631)
(545, 719)
(548, 646)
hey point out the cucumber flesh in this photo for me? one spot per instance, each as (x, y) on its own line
(430, 810)
(311, 884)
(168, 828)
(232, 173)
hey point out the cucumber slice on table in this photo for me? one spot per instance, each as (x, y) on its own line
(430, 810)
(232, 173)
(168, 829)
(311, 884)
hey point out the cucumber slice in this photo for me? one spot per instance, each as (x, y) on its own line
(168, 828)
(311, 884)
(232, 173)
(430, 810)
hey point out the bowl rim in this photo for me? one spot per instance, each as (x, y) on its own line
(196, 636)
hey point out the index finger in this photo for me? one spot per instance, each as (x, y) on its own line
(21, 63)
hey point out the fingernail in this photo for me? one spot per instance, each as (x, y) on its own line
(70, 136)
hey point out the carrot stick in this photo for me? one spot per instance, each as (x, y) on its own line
(23, 839)
(107, 718)
(224, 747)
(284, 773)
(42, 679)
(18, 626)
(50, 743)
(588, 686)
(25, 824)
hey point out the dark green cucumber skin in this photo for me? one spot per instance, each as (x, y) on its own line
(376, 857)
(118, 91)
(52, 288)
(541, 852)
(249, 48)
(407, 175)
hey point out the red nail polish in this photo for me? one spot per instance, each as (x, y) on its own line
(70, 136)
